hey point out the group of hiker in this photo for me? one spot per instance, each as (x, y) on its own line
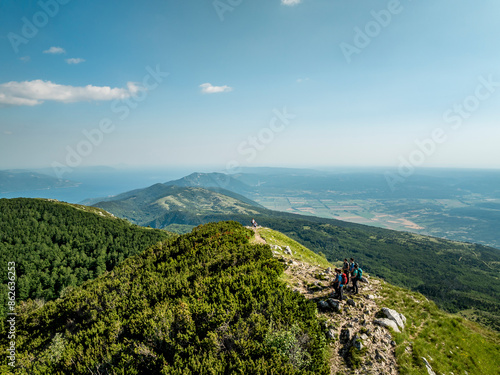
(350, 271)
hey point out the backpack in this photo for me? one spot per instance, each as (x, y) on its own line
(344, 279)
(360, 273)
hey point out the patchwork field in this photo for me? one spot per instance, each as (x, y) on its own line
(470, 219)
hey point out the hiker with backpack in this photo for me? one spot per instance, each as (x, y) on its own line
(338, 283)
(351, 265)
(351, 268)
(345, 270)
(357, 274)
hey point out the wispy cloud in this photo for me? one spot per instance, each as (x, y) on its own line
(75, 61)
(7, 132)
(55, 50)
(30, 93)
(25, 58)
(290, 2)
(208, 88)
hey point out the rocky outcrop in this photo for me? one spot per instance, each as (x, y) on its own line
(330, 305)
(388, 323)
(391, 319)
(400, 319)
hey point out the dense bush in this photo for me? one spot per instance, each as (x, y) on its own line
(207, 302)
(55, 246)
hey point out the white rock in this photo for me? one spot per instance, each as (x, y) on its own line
(428, 367)
(388, 323)
(395, 316)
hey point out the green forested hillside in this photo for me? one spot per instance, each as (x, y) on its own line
(56, 245)
(208, 302)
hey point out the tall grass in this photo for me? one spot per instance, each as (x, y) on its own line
(451, 343)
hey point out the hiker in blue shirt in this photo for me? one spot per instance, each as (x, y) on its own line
(351, 265)
(356, 276)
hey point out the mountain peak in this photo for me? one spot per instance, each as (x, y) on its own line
(213, 180)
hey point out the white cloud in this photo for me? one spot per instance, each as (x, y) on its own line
(208, 88)
(7, 132)
(301, 80)
(55, 50)
(75, 61)
(35, 92)
(290, 2)
(25, 58)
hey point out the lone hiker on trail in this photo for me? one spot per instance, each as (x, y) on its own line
(338, 284)
(254, 223)
(356, 276)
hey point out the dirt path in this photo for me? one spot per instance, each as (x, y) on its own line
(257, 238)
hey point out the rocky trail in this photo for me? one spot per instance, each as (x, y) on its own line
(356, 327)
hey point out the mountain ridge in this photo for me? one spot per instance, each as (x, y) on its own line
(21, 180)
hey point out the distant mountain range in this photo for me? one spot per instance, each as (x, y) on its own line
(21, 180)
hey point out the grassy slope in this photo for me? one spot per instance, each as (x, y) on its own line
(301, 252)
(451, 343)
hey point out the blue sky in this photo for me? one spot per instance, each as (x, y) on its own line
(250, 83)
